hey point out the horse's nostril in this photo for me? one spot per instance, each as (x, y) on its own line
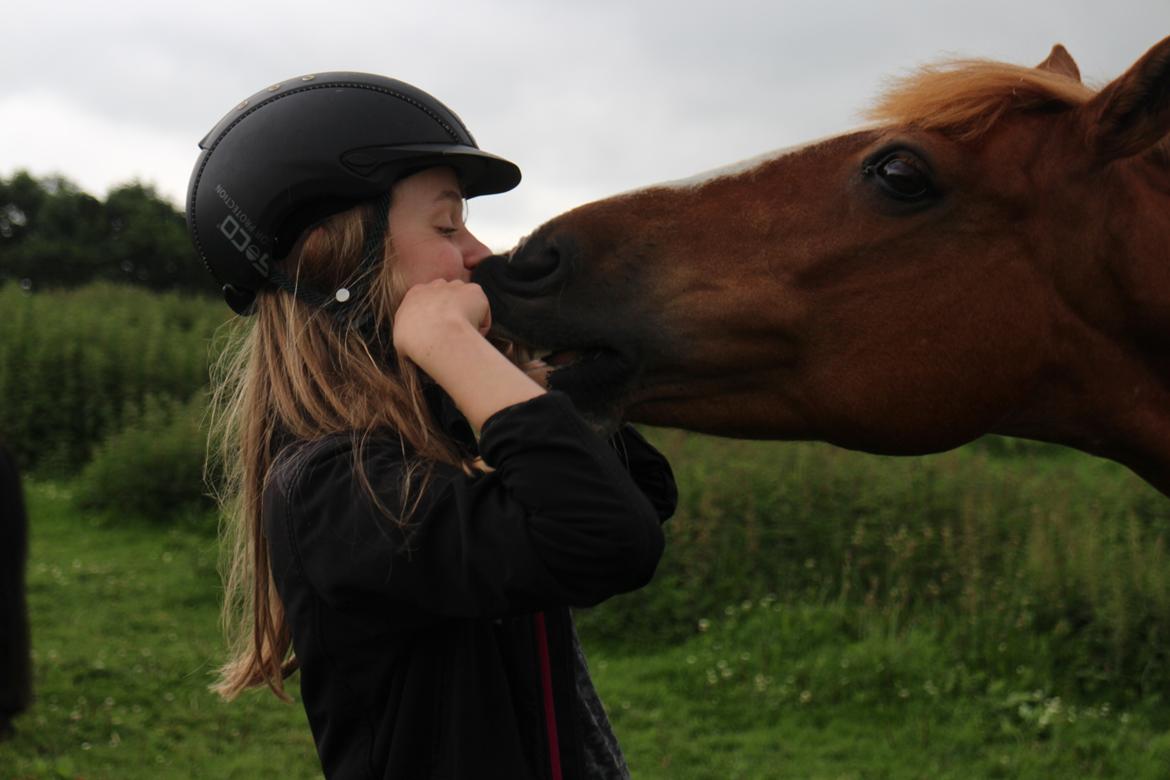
(532, 266)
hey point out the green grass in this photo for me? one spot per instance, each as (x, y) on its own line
(124, 625)
(779, 692)
(125, 638)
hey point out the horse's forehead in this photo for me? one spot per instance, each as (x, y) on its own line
(743, 166)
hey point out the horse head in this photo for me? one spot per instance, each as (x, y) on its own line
(990, 255)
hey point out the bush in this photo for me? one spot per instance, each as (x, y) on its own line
(1053, 562)
(153, 467)
(76, 365)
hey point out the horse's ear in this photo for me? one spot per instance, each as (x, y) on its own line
(1132, 113)
(1060, 61)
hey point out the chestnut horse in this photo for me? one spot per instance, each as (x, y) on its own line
(991, 255)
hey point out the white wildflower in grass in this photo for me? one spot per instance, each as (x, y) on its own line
(1052, 710)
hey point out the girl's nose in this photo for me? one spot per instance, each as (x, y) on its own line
(474, 252)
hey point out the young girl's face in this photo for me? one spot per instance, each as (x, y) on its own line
(427, 231)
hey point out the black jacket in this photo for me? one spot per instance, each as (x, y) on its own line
(419, 648)
(15, 668)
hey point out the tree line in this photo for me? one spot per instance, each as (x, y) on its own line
(54, 236)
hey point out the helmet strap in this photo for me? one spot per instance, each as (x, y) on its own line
(342, 303)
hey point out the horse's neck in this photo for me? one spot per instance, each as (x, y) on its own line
(1105, 388)
(1123, 371)
(1137, 250)
(1106, 406)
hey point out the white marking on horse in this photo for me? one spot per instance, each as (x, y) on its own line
(735, 169)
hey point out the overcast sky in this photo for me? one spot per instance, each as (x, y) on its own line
(589, 97)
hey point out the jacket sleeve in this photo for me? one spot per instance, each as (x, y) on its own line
(558, 522)
(648, 468)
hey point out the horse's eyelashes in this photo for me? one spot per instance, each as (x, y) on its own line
(902, 175)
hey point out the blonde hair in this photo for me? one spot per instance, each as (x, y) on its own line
(293, 372)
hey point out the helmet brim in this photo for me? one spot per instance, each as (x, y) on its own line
(479, 172)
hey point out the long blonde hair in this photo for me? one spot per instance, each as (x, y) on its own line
(293, 372)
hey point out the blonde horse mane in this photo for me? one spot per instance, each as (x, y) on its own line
(965, 98)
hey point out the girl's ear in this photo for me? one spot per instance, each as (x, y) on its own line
(1060, 61)
(1131, 114)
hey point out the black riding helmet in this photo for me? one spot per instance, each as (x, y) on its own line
(307, 148)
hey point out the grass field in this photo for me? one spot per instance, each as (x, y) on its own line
(124, 634)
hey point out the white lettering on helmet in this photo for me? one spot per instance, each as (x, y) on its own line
(242, 240)
(238, 212)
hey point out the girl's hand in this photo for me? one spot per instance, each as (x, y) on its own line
(434, 312)
(441, 326)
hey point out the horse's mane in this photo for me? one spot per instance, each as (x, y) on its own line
(965, 98)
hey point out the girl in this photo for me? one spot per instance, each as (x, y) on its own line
(418, 578)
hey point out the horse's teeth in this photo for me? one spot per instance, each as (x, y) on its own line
(523, 353)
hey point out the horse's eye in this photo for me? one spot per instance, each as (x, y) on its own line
(901, 175)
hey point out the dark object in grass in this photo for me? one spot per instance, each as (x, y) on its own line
(15, 669)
